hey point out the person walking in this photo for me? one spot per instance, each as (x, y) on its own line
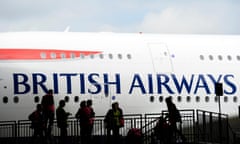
(174, 117)
(91, 119)
(84, 115)
(62, 117)
(37, 124)
(113, 122)
(48, 112)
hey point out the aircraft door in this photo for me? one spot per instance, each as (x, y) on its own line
(160, 56)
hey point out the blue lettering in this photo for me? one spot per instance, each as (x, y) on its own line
(137, 83)
(55, 83)
(184, 83)
(39, 80)
(213, 79)
(162, 81)
(106, 83)
(69, 81)
(229, 83)
(20, 81)
(201, 83)
(116, 82)
(94, 83)
(150, 84)
(82, 83)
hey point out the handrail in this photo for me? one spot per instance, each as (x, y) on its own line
(194, 122)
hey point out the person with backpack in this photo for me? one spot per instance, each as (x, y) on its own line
(113, 122)
(91, 119)
(134, 136)
(48, 112)
(174, 117)
(37, 122)
(84, 115)
(162, 131)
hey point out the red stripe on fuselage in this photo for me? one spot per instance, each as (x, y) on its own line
(41, 54)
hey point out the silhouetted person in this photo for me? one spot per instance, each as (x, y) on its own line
(91, 119)
(162, 131)
(174, 117)
(113, 121)
(48, 111)
(84, 115)
(36, 118)
(134, 136)
(62, 117)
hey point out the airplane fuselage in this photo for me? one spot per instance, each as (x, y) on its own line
(137, 70)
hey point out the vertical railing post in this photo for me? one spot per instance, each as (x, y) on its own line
(211, 126)
(15, 131)
(204, 125)
(220, 127)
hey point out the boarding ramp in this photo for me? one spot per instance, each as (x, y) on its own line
(214, 128)
(187, 127)
(197, 126)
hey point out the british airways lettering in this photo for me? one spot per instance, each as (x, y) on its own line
(95, 83)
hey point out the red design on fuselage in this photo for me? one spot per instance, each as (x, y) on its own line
(42, 54)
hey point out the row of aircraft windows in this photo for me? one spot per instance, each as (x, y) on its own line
(196, 98)
(82, 56)
(220, 57)
(16, 100)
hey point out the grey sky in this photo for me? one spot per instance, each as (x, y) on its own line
(154, 16)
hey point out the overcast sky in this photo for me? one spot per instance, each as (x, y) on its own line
(150, 16)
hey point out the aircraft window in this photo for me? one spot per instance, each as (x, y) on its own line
(119, 56)
(129, 56)
(43, 55)
(92, 56)
(216, 99)
(53, 55)
(197, 99)
(63, 55)
(15, 99)
(72, 55)
(229, 57)
(76, 99)
(225, 99)
(5, 99)
(165, 53)
(201, 57)
(235, 99)
(161, 99)
(101, 56)
(210, 57)
(151, 98)
(188, 98)
(220, 57)
(66, 98)
(238, 57)
(207, 99)
(36, 99)
(110, 56)
(82, 56)
(179, 98)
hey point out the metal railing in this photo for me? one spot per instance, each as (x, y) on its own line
(214, 127)
(187, 127)
(202, 128)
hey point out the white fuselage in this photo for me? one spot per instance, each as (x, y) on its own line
(137, 70)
